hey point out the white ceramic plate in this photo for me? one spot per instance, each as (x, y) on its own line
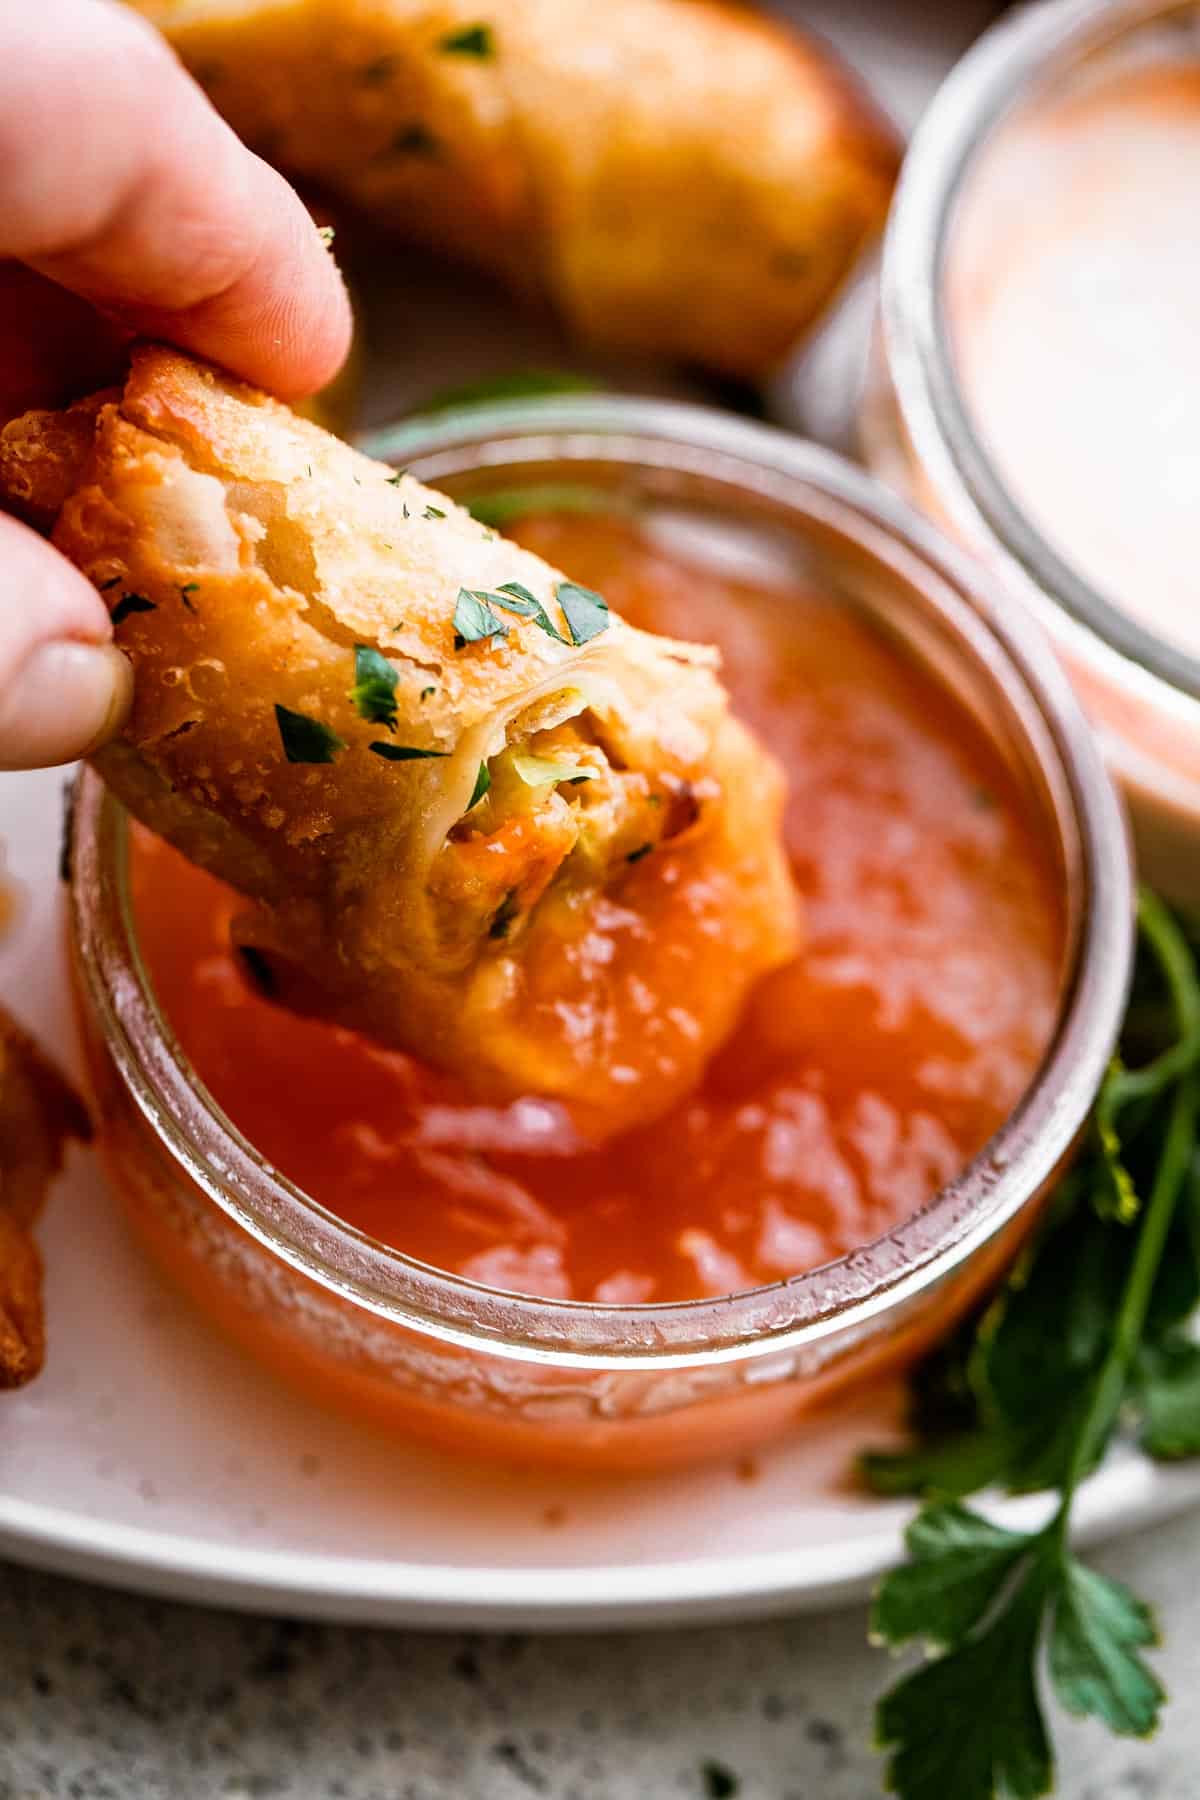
(152, 1455)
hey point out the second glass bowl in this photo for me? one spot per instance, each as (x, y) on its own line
(919, 430)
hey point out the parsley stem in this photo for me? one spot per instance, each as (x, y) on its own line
(1170, 947)
(1166, 942)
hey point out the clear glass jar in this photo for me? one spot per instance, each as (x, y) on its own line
(919, 433)
(638, 1386)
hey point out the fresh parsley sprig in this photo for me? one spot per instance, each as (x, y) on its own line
(1089, 1328)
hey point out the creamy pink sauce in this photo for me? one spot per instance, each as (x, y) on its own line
(1074, 303)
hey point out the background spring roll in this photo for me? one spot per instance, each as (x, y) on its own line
(679, 178)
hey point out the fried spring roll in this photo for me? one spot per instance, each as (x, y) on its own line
(39, 1112)
(480, 816)
(677, 178)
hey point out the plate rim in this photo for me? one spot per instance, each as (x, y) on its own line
(1128, 1492)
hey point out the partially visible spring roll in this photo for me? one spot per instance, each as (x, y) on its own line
(478, 815)
(677, 178)
(39, 1113)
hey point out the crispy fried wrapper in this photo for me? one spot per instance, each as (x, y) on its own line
(678, 178)
(535, 848)
(39, 1113)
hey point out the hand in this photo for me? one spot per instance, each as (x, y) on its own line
(126, 207)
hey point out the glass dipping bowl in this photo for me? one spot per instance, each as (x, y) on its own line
(917, 428)
(630, 1387)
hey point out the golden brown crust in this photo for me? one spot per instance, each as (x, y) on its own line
(39, 1112)
(679, 179)
(44, 455)
(246, 553)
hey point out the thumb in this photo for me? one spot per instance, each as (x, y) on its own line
(64, 687)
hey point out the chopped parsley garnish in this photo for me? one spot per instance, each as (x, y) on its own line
(474, 619)
(586, 612)
(402, 752)
(540, 771)
(473, 40)
(186, 591)
(306, 740)
(131, 603)
(483, 782)
(506, 912)
(112, 582)
(637, 855)
(518, 599)
(1091, 1329)
(413, 140)
(373, 695)
(433, 512)
(425, 692)
(326, 233)
(397, 478)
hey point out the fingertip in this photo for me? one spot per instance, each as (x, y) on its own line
(317, 323)
(63, 702)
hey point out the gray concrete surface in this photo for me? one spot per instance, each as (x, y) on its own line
(109, 1697)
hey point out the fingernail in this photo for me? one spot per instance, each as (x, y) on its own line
(64, 701)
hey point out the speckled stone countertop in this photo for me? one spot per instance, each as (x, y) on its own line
(108, 1697)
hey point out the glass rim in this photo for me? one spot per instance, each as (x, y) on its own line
(1005, 69)
(814, 486)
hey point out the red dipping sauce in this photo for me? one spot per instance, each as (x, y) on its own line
(860, 1079)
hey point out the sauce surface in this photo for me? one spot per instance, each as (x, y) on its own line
(1074, 302)
(860, 1078)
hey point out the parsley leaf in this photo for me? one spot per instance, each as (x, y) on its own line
(433, 512)
(959, 1563)
(474, 620)
(1097, 1630)
(186, 591)
(1168, 1399)
(306, 740)
(586, 612)
(131, 603)
(402, 752)
(373, 695)
(968, 1725)
(483, 782)
(517, 599)
(473, 40)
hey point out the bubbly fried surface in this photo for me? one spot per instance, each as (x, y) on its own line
(672, 177)
(245, 555)
(38, 1113)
